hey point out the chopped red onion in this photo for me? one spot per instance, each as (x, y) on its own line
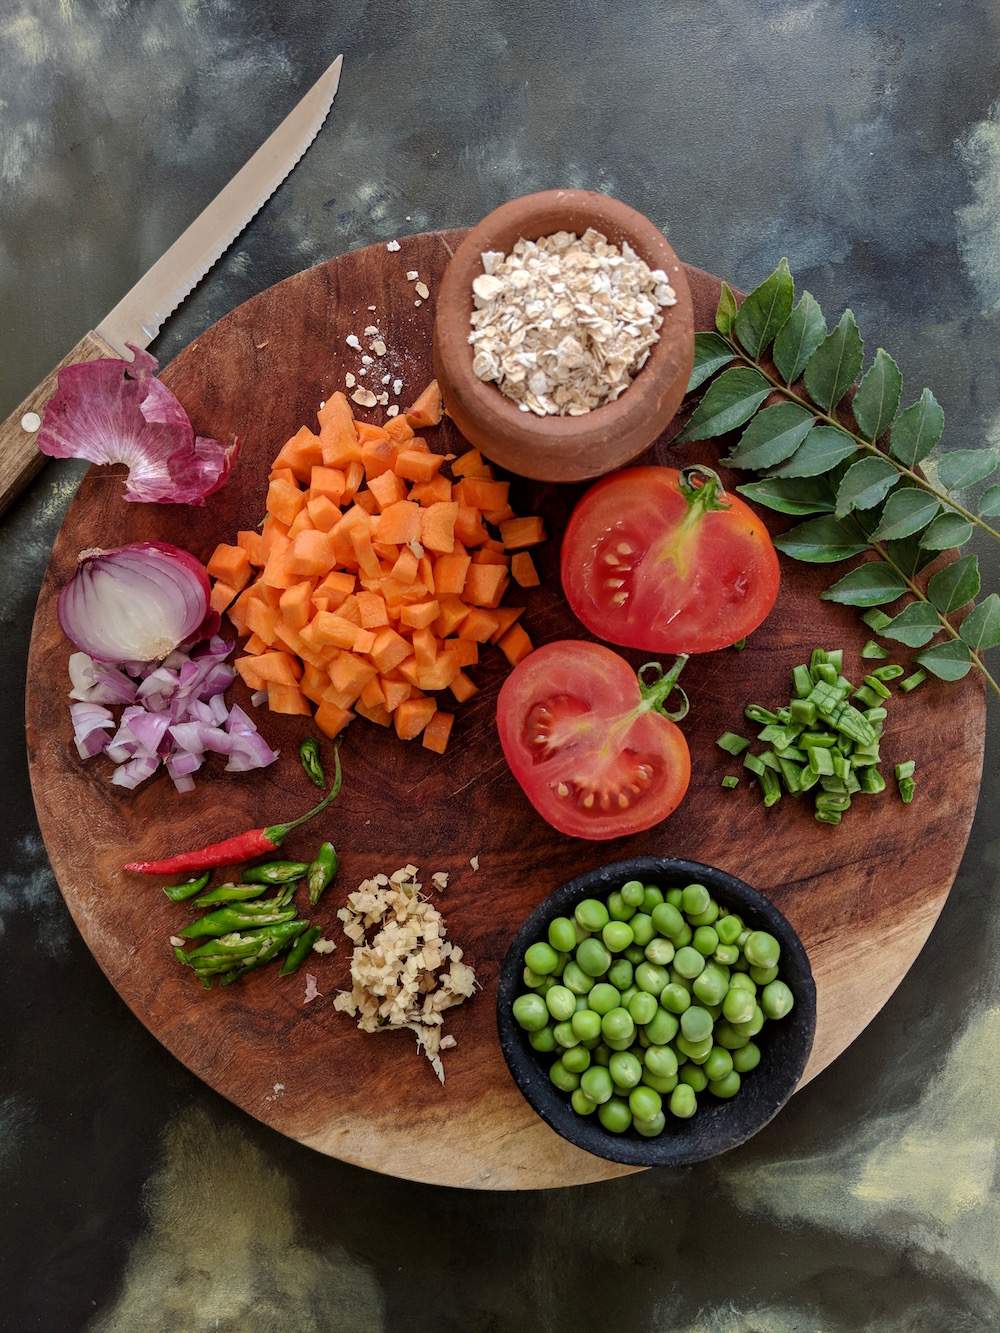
(175, 715)
(135, 603)
(115, 411)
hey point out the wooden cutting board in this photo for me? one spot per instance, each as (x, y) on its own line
(863, 896)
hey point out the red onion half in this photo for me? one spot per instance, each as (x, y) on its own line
(136, 603)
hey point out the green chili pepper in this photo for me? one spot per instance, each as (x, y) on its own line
(276, 872)
(278, 941)
(178, 892)
(229, 919)
(311, 762)
(322, 871)
(229, 893)
(299, 951)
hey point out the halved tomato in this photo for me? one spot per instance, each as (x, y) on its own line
(669, 561)
(592, 747)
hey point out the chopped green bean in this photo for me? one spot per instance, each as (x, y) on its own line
(802, 682)
(911, 682)
(889, 672)
(876, 619)
(906, 769)
(873, 649)
(730, 781)
(732, 744)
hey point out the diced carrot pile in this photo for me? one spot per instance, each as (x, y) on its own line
(375, 577)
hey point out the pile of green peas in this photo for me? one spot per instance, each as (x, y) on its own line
(647, 1000)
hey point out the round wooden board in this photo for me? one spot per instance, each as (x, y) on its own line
(863, 896)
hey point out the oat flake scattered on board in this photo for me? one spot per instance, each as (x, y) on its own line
(392, 245)
(364, 397)
(563, 324)
(404, 972)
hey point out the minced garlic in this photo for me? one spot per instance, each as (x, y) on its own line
(563, 324)
(407, 973)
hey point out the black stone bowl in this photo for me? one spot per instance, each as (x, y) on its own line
(717, 1125)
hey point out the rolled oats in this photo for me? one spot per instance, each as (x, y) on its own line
(563, 324)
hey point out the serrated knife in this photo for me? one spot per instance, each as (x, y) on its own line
(138, 316)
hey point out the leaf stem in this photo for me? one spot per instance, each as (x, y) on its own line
(862, 443)
(946, 624)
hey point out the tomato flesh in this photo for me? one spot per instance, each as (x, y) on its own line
(639, 569)
(590, 758)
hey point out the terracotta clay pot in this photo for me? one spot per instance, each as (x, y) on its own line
(558, 448)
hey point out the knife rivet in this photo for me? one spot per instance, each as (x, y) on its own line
(31, 422)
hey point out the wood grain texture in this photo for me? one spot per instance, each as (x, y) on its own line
(19, 456)
(863, 896)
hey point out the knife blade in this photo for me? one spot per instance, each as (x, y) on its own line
(139, 315)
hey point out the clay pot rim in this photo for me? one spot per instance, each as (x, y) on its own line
(530, 217)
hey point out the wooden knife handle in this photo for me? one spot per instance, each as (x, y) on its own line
(19, 456)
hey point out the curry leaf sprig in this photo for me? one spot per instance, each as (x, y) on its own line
(862, 473)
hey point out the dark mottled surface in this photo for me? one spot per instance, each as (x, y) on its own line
(860, 140)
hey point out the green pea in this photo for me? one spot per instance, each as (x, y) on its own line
(746, 1059)
(576, 1060)
(705, 940)
(562, 1078)
(562, 934)
(600, 1055)
(561, 1003)
(764, 975)
(634, 954)
(660, 951)
(580, 1002)
(743, 936)
(620, 973)
(761, 949)
(649, 977)
(603, 998)
(661, 1085)
(660, 1060)
(696, 1024)
(618, 908)
(591, 1043)
(617, 936)
(651, 897)
(650, 1129)
(619, 1043)
(738, 1006)
(581, 1103)
(675, 999)
(728, 928)
(565, 1036)
(694, 899)
(541, 958)
(621, 1092)
(753, 1025)
(615, 1116)
(726, 1035)
(727, 954)
(643, 1007)
(683, 1103)
(595, 1083)
(591, 914)
(645, 1103)
(643, 929)
(667, 920)
(677, 980)
(694, 1077)
(542, 1041)
(661, 1028)
(698, 1051)
(576, 979)
(718, 1064)
(706, 918)
(530, 1012)
(740, 981)
(561, 960)
(586, 1024)
(633, 893)
(683, 936)
(776, 999)
(726, 1087)
(688, 962)
(531, 979)
(711, 985)
(593, 958)
(625, 1069)
(675, 897)
(618, 1025)
(627, 995)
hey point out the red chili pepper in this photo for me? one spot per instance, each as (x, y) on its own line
(243, 847)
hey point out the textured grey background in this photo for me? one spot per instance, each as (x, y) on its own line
(862, 141)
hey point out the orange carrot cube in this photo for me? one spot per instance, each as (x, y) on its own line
(417, 464)
(515, 645)
(428, 409)
(390, 649)
(484, 584)
(523, 568)
(412, 716)
(284, 500)
(521, 532)
(463, 688)
(332, 719)
(295, 604)
(420, 614)
(287, 699)
(437, 732)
